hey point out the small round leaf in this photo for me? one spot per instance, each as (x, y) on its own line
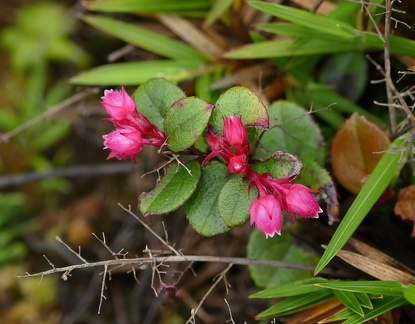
(155, 97)
(172, 190)
(185, 122)
(202, 207)
(240, 101)
(280, 165)
(356, 149)
(234, 201)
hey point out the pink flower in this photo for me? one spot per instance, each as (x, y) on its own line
(234, 131)
(299, 200)
(238, 164)
(266, 215)
(133, 129)
(124, 142)
(233, 147)
(119, 105)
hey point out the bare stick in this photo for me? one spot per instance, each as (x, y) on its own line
(392, 111)
(128, 210)
(219, 279)
(69, 248)
(230, 312)
(104, 243)
(102, 289)
(179, 258)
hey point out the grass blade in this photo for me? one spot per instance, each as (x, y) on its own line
(307, 19)
(144, 38)
(385, 170)
(134, 73)
(182, 7)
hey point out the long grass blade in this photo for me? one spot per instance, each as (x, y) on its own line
(385, 170)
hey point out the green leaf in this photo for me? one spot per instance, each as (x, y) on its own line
(390, 164)
(364, 300)
(219, 7)
(239, 101)
(202, 207)
(296, 303)
(349, 300)
(185, 121)
(307, 19)
(234, 201)
(144, 38)
(347, 72)
(182, 7)
(380, 306)
(280, 165)
(386, 288)
(155, 97)
(172, 191)
(292, 130)
(341, 315)
(317, 46)
(133, 73)
(281, 248)
(288, 289)
(293, 47)
(294, 30)
(410, 294)
(320, 96)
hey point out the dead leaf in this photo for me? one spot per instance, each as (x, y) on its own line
(317, 313)
(356, 149)
(405, 207)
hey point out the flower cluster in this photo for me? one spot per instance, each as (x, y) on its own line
(275, 195)
(132, 129)
(233, 146)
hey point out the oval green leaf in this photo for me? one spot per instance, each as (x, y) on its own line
(240, 101)
(155, 97)
(292, 130)
(280, 165)
(234, 201)
(202, 207)
(172, 191)
(185, 122)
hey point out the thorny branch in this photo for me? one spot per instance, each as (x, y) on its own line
(395, 99)
(138, 262)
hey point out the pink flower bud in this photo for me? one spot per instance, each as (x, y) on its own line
(238, 164)
(124, 142)
(215, 141)
(299, 200)
(234, 131)
(266, 215)
(118, 104)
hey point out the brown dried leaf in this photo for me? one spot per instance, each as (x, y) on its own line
(356, 150)
(192, 34)
(318, 313)
(405, 207)
(376, 269)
